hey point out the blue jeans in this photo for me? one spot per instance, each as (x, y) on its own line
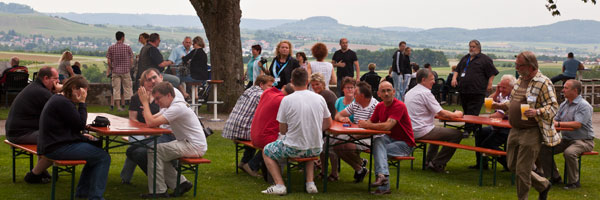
(92, 181)
(174, 80)
(382, 148)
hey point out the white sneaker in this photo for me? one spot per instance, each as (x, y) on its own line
(276, 189)
(311, 188)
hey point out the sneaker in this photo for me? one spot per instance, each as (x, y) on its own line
(32, 178)
(183, 188)
(381, 180)
(360, 176)
(248, 170)
(158, 195)
(381, 192)
(438, 169)
(46, 177)
(275, 189)
(364, 162)
(571, 186)
(311, 188)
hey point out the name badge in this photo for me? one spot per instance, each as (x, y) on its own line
(463, 74)
(277, 79)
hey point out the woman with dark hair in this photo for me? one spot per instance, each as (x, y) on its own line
(283, 64)
(301, 57)
(319, 51)
(254, 67)
(61, 124)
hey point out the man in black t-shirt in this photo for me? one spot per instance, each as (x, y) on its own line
(150, 57)
(474, 76)
(345, 61)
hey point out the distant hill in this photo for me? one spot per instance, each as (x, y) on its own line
(15, 8)
(161, 20)
(401, 29)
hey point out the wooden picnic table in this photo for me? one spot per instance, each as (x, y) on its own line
(355, 134)
(472, 119)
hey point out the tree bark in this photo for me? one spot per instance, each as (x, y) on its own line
(221, 21)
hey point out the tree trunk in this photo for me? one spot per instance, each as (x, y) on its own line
(221, 20)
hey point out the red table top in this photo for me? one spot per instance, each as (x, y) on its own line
(122, 126)
(487, 121)
(338, 128)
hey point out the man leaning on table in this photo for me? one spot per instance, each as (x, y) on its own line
(422, 108)
(526, 137)
(389, 115)
(188, 131)
(575, 112)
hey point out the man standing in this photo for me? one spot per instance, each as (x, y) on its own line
(389, 115)
(576, 113)
(569, 69)
(150, 57)
(181, 50)
(400, 71)
(120, 59)
(188, 131)
(302, 116)
(22, 124)
(345, 61)
(527, 136)
(237, 126)
(474, 77)
(422, 108)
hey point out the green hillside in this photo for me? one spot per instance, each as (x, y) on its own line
(34, 23)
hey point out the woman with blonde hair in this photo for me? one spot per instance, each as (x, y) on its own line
(64, 66)
(283, 64)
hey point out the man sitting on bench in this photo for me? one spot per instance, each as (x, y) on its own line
(422, 108)
(23, 120)
(186, 127)
(575, 112)
(302, 116)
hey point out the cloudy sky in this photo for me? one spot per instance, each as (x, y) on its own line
(471, 14)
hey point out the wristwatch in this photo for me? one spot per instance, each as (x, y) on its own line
(538, 111)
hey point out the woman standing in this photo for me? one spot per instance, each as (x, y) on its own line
(301, 57)
(198, 63)
(283, 64)
(61, 124)
(64, 66)
(254, 67)
(319, 51)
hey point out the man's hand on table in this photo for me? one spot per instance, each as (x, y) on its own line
(345, 120)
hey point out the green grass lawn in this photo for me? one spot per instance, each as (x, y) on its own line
(219, 181)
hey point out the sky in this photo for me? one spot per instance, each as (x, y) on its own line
(470, 14)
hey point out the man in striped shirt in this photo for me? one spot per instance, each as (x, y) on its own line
(362, 108)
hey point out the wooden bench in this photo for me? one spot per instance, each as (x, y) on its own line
(292, 162)
(494, 154)
(57, 165)
(566, 178)
(395, 162)
(189, 164)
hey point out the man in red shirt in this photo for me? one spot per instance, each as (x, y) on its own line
(389, 115)
(14, 63)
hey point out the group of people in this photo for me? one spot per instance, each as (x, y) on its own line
(54, 116)
(408, 115)
(187, 63)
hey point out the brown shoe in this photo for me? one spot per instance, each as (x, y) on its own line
(248, 170)
(381, 180)
(381, 192)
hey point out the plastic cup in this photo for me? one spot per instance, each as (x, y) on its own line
(488, 104)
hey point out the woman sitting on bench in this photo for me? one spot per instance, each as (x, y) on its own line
(61, 122)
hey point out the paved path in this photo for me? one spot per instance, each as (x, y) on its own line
(219, 125)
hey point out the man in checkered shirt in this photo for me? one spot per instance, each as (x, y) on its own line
(239, 122)
(120, 60)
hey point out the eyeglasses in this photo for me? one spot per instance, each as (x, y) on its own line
(520, 65)
(349, 88)
(152, 78)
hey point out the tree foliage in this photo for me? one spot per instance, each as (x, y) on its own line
(551, 6)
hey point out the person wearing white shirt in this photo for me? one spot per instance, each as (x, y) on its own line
(422, 108)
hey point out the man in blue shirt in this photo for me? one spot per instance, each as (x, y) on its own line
(569, 68)
(576, 113)
(176, 55)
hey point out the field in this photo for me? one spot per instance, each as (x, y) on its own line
(52, 60)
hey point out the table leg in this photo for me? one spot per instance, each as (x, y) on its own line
(154, 177)
(324, 163)
(370, 164)
(194, 91)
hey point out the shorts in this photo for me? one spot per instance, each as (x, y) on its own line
(278, 151)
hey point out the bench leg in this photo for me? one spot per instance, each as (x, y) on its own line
(237, 149)
(566, 178)
(481, 169)
(54, 176)
(424, 156)
(494, 165)
(579, 170)
(178, 178)
(397, 174)
(195, 178)
(30, 162)
(289, 177)
(72, 171)
(13, 163)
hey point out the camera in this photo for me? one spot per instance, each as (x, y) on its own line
(263, 60)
